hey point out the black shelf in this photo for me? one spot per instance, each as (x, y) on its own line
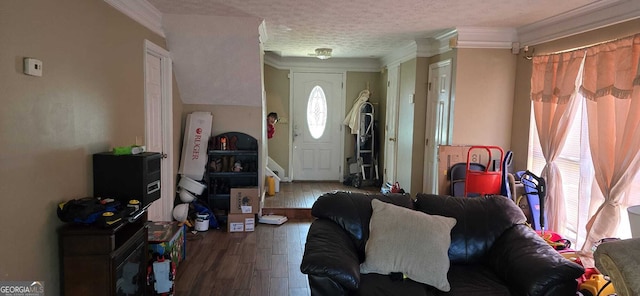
(221, 178)
(233, 153)
(233, 174)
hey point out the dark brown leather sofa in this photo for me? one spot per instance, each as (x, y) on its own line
(492, 251)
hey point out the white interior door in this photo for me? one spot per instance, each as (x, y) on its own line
(158, 125)
(318, 105)
(391, 126)
(438, 125)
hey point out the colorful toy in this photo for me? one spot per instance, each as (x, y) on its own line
(161, 274)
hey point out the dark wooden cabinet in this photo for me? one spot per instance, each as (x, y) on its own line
(104, 261)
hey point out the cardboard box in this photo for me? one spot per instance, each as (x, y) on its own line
(241, 222)
(449, 155)
(244, 200)
(197, 132)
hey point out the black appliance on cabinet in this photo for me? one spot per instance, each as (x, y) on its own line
(126, 177)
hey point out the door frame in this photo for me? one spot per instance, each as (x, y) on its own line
(431, 174)
(167, 181)
(292, 115)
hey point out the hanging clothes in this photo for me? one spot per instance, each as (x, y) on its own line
(353, 117)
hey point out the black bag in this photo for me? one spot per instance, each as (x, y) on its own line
(85, 210)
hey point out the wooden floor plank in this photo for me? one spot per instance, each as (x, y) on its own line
(242, 279)
(260, 283)
(299, 292)
(263, 259)
(296, 278)
(279, 286)
(279, 266)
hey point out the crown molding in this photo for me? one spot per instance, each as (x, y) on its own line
(424, 47)
(142, 12)
(262, 32)
(441, 42)
(312, 63)
(586, 18)
(483, 37)
(401, 55)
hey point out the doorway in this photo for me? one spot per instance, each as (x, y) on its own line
(158, 124)
(317, 141)
(439, 121)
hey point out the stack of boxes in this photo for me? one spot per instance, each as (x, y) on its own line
(244, 205)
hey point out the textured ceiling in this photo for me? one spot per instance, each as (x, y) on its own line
(358, 28)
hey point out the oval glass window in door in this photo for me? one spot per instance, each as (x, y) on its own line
(317, 112)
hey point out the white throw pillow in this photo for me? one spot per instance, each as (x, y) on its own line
(410, 242)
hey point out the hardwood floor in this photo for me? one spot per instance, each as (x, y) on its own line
(302, 195)
(264, 262)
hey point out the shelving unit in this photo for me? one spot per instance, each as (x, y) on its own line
(222, 171)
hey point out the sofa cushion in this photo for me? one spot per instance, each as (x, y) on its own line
(352, 211)
(410, 242)
(480, 221)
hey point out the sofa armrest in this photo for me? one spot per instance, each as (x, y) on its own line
(532, 267)
(330, 253)
(620, 260)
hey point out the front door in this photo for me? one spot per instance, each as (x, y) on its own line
(317, 126)
(438, 125)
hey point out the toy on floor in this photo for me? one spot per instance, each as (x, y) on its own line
(161, 274)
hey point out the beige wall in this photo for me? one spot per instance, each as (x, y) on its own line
(276, 83)
(90, 98)
(522, 105)
(484, 97)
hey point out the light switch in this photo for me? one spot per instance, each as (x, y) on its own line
(32, 67)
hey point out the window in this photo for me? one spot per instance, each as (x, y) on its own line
(577, 172)
(317, 112)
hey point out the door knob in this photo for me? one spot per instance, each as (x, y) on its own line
(392, 139)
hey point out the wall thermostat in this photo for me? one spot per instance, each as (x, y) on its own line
(32, 67)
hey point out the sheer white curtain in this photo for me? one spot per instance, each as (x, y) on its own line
(611, 85)
(554, 85)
